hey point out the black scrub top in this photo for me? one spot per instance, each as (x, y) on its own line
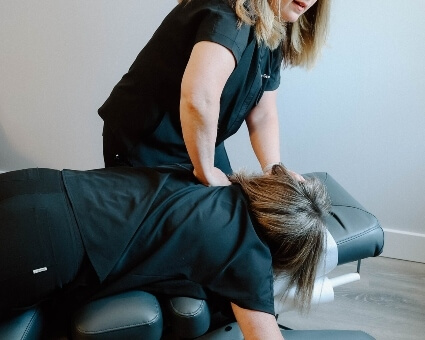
(162, 231)
(143, 108)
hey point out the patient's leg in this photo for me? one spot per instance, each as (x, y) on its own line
(41, 250)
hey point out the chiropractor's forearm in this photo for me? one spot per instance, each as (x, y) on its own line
(207, 71)
(199, 127)
(265, 143)
(263, 126)
(263, 129)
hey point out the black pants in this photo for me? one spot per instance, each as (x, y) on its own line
(41, 250)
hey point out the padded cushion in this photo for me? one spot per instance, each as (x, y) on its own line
(131, 315)
(326, 335)
(189, 318)
(356, 231)
(232, 331)
(27, 325)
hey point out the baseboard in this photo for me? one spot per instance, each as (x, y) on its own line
(404, 245)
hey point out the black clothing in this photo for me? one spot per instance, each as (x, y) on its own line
(41, 249)
(143, 108)
(161, 231)
(115, 153)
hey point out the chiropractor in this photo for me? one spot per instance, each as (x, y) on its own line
(210, 66)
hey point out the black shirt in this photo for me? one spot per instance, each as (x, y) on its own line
(162, 231)
(143, 108)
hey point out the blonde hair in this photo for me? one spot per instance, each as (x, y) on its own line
(291, 218)
(301, 41)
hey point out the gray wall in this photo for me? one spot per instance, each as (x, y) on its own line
(360, 114)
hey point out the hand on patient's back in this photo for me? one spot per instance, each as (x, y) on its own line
(214, 178)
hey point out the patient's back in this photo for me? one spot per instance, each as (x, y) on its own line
(185, 239)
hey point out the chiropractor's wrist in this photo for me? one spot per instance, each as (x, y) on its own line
(212, 177)
(268, 168)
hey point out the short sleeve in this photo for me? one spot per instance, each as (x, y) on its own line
(246, 277)
(248, 280)
(220, 25)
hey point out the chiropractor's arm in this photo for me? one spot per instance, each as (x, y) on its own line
(207, 71)
(256, 325)
(263, 127)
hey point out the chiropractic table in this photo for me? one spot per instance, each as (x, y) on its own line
(353, 234)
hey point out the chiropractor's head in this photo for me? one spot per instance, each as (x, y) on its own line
(290, 217)
(290, 10)
(299, 28)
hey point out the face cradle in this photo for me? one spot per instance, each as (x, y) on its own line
(291, 10)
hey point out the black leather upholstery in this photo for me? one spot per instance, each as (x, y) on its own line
(130, 315)
(356, 231)
(189, 318)
(24, 326)
(233, 332)
(326, 335)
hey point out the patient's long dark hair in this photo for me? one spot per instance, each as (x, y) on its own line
(290, 216)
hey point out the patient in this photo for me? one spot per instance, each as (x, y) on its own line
(160, 230)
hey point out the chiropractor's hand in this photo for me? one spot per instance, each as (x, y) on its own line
(296, 176)
(213, 178)
(268, 170)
